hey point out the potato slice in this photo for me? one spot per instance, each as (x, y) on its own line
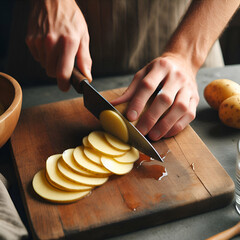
(92, 155)
(116, 167)
(115, 142)
(114, 124)
(99, 142)
(129, 157)
(70, 161)
(58, 180)
(68, 173)
(85, 163)
(50, 193)
(85, 142)
(65, 189)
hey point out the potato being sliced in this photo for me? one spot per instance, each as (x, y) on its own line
(129, 157)
(114, 124)
(85, 163)
(50, 193)
(93, 155)
(116, 167)
(85, 142)
(115, 142)
(58, 180)
(99, 142)
(68, 173)
(70, 161)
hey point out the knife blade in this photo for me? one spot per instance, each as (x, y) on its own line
(93, 98)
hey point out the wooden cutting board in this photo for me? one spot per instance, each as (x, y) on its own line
(195, 183)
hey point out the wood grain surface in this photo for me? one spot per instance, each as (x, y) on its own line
(195, 183)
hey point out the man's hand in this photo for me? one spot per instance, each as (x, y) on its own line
(57, 36)
(173, 107)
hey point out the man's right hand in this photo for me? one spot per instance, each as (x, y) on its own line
(57, 36)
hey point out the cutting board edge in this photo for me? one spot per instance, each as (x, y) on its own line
(29, 226)
(122, 227)
(231, 184)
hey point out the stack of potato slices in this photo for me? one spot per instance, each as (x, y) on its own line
(72, 175)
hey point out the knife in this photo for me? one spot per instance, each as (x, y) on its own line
(92, 97)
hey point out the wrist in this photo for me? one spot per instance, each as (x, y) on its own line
(200, 27)
(192, 49)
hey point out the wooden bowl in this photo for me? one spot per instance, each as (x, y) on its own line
(10, 106)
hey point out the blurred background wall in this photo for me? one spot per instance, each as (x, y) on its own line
(6, 8)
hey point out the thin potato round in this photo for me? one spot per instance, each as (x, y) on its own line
(115, 142)
(92, 155)
(67, 189)
(54, 184)
(70, 161)
(58, 180)
(85, 142)
(88, 165)
(99, 142)
(114, 124)
(68, 173)
(229, 112)
(116, 167)
(129, 157)
(52, 194)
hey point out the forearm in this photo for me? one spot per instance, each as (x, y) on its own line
(202, 24)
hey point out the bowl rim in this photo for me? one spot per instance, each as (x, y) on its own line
(17, 97)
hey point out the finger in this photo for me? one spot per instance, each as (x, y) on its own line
(84, 60)
(31, 45)
(184, 121)
(144, 91)
(130, 91)
(52, 52)
(65, 62)
(162, 101)
(177, 110)
(39, 43)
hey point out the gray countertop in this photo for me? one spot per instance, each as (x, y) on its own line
(220, 140)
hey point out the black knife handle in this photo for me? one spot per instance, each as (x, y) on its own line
(76, 79)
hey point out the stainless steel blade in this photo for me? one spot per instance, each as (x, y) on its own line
(96, 103)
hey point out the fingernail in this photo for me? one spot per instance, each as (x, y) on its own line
(143, 130)
(155, 135)
(132, 115)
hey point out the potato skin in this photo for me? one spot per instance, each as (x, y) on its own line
(229, 111)
(219, 90)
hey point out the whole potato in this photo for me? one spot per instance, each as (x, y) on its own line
(229, 111)
(219, 90)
